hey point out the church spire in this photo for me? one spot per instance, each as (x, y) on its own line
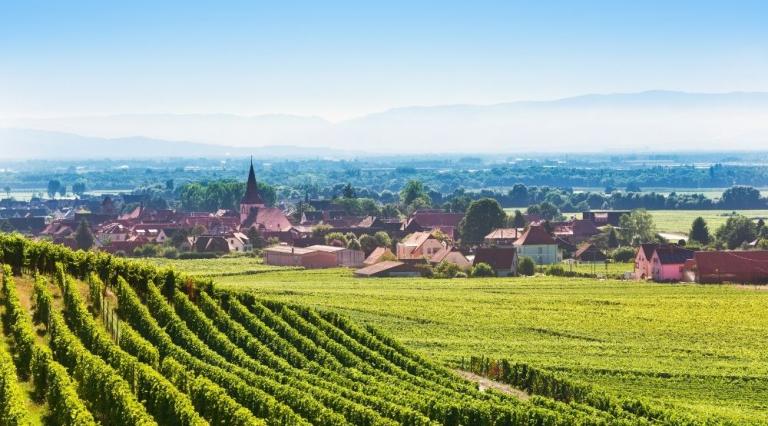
(251, 196)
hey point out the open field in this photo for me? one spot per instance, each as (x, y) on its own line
(703, 348)
(679, 221)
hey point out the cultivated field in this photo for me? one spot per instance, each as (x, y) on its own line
(89, 339)
(702, 348)
(679, 221)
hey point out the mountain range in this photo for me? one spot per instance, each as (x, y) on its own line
(641, 122)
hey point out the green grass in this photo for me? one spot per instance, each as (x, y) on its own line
(704, 348)
(239, 265)
(679, 221)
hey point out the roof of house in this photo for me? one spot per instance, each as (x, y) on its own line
(584, 227)
(251, 189)
(416, 239)
(269, 219)
(673, 255)
(443, 253)
(497, 257)
(326, 248)
(648, 249)
(376, 255)
(378, 268)
(737, 263)
(288, 250)
(535, 235)
(585, 248)
(503, 234)
(437, 218)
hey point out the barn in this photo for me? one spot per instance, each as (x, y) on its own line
(712, 267)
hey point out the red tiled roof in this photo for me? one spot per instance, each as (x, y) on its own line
(497, 257)
(535, 235)
(503, 234)
(434, 218)
(735, 266)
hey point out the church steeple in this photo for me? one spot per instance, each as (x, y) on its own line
(252, 196)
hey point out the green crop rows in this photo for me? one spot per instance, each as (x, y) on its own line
(94, 339)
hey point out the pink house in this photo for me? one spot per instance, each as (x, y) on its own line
(668, 261)
(643, 269)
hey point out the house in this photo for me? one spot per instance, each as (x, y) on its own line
(537, 244)
(604, 217)
(503, 260)
(211, 244)
(668, 261)
(284, 255)
(418, 245)
(502, 237)
(344, 256)
(576, 231)
(112, 232)
(643, 268)
(388, 268)
(730, 266)
(379, 254)
(450, 255)
(588, 252)
(428, 220)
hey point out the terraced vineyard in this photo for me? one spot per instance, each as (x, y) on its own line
(92, 339)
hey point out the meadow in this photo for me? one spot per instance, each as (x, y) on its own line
(699, 348)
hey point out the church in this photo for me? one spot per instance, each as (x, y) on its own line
(254, 213)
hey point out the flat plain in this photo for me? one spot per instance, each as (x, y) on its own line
(699, 348)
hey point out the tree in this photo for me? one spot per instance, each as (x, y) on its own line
(321, 230)
(7, 190)
(389, 211)
(368, 243)
(736, 231)
(526, 266)
(741, 197)
(53, 188)
(637, 227)
(332, 238)
(83, 236)
(518, 195)
(482, 217)
(353, 244)
(78, 188)
(483, 269)
(699, 231)
(613, 238)
(383, 239)
(412, 191)
(348, 191)
(623, 254)
(518, 220)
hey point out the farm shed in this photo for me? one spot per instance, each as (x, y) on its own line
(281, 255)
(344, 256)
(388, 268)
(731, 266)
(503, 260)
(588, 252)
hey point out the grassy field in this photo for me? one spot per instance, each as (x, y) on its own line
(221, 266)
(679, 221)
(701, 348)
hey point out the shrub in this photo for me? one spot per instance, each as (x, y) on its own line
(483, 269)
(446, 270)
(623, 254)
(526, 266)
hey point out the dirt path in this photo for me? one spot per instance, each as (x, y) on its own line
(484, 383)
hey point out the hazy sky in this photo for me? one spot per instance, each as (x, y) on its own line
(350, 58)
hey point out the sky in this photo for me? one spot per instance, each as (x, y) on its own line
(338, 60)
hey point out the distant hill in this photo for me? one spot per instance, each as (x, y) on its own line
(640, 122)
(32, 144)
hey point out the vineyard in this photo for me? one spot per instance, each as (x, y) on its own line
(92, 339)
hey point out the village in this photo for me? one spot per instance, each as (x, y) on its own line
(424, 243)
